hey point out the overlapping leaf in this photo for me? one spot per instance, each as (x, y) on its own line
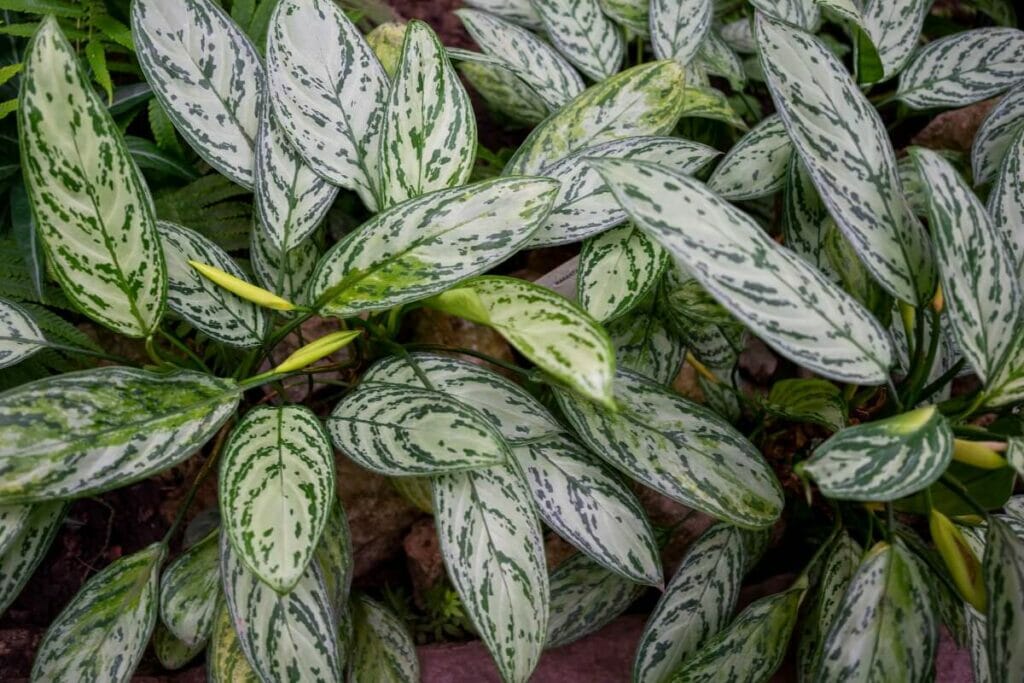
(805, 218)
(717, 58)
(1003, 569)
(756, 165)
(678, 28)
(173, 653)
(1006, 201)
(808, 400)
(802, 13)
(383, 650)
(617, 270)
(190, 592)
(517, 11)
(20, 336)
(581, 32)
(505, 92)
(644, 344)
(337, 562)
(285, 273)
(584, 598)
(631, 14)
(12, 521)
(225, 661)
(894, 27)
(996, 135)
(23, 552)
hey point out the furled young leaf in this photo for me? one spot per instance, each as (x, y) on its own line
(20, 336)
(644, 344)
(584, 598)
(290, 636)
(427, 244)
(524, 54)
(276, 488)
(893, 26)
(383, 650)
(844, 145)
(696, 604)
(548, 329)
(207, 76)
(757, 164)
(401, 430)
(779, 296)
(811, 400)
(491, 542)
(102, 633)
(883, 460)
(225, 661)
(85, 432)
(581, 32)
(23, 552)
(805, 218)
(283, 273)
(517, 11)
(220, 314)
(290, 198)
(886, 627)
(329, 92)
(1003, 569)
(505, 92)
(678, 28)
(962, 68)
(680, 449)
(173, 653)
(633, 15)
(996, 135)
(643, 100)
(429, 137)
(800, 13)
(979, 280)
(91, 208)
(617, 269)
(190, 592)
(586, 503)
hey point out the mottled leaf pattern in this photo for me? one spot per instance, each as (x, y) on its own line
(1006, 201)
(801, 13)
(517, 11)
(894, 27)
(1003, 570)
(644, 344)
(190, 592)
(678, 27)
(284, 273)
(805, 218)
(581, 32)
(633, 15)
(12, 521)
(584, 598)
(996, 135)
(171, 652)
(817, 401)
(225, 661)
(337, 562)
(717, 58)
(20, 336)
(757, 164)
(505, 92)
(383, 650)
(617, 269)
(24, 551)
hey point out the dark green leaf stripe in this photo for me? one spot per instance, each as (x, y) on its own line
(20, 336)
(334, 554)
(718, 59)
(402, 430)
(173, 653)
(91, 208)
(217, 312)
(801, 13)
(207, 76)
(427, 244)
(963, 68)
(817, 401)
(678, 448)
(757, 164)
(617, 270)
(276, 489)
(1003, 569)
(190, 592)
(690, 313)
(12, 521)
(678, 28)
(505, 92)
(1006, 201)
(383, 650)
(894, 27)
(581, 32)
(23, 552)
(492, 545)
(630, 14)
(102, 633)
(429, 138)
(805, 218)
(996, 135)
(644, 344)
(585, 597)
(739, 34)
(84, 432)
(285, 274)
(517, 11)
(225, 661)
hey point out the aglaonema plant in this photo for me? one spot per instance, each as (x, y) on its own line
(883, 279)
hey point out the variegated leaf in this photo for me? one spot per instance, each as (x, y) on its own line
(581, 32)
(208, 78)
(284, 273)
(276, 489)
(102, 633)
(584, 598)
(886, 626)
(813, 400)
(689, 312)
(90, 205)
(788, 303)
(24, 551)
(429, 137)
(678, 28)
(551, 331)
(190, 592)
(644, 344)
(334, 554)
(84, 432)
(757, 164)
(643, 100)
(586, 503)
(697, 603)
(491, 542)
(680, 449)
(505, 92)
(284, 637)
(585, 206)
(976, 636)
(427, 244)
(996, 135)
(804, 14)
(1015, 505)
(617, 269)
(739, 35)
(805, 219)
(383, 650)
(214, 310)
(20, 336)
(173, 653)
(517, 11)
(704, 102)
(843, 144)
(290, 198)
(894, 27)
(225, 661)
(979, 280)
(329, 92)
(13, 519)
(402, 430)
(717, 58)
(1006, 201)
(538, 64)
(963, 68)
(1003, 570)
(633, 15)
(847, 10)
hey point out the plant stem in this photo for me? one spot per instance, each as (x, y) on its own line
(942, 381)
(181, 346)
(90, 352)
(954, 485)
(204, 471)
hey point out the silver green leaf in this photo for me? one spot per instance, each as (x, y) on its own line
(883, 460)
(644, 344)
(996, 135)
(23, 552)
(402, 430)
(581, 32)
(276, 489)
(329, 92)
(718, 59)
(617, 270)
(13, 519)
(225, 661)
(173, 653)
(963, 68)
(284, 637)
(643, 100)
(739, 35)
(284, 273)
(84, 432)
(690, 313)
(804, 14)
(1003, 571)
(103, 632)
(429, 137)
(886, 626)
(633, 15)
(704, 102)
(334, 554)
(844, 145)
(20, 336)
(492, 546)
(208, 78)
(89, 202)
(678, 28)
(778, 295)
(517, 11)
(190, 592)
(813, 400)
(757, 164)
(680, 449)
(383, 651)
(805, 219)
(1006, 201)
(428, 244)
(215, 311)
(894, 27)
(505, 92)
